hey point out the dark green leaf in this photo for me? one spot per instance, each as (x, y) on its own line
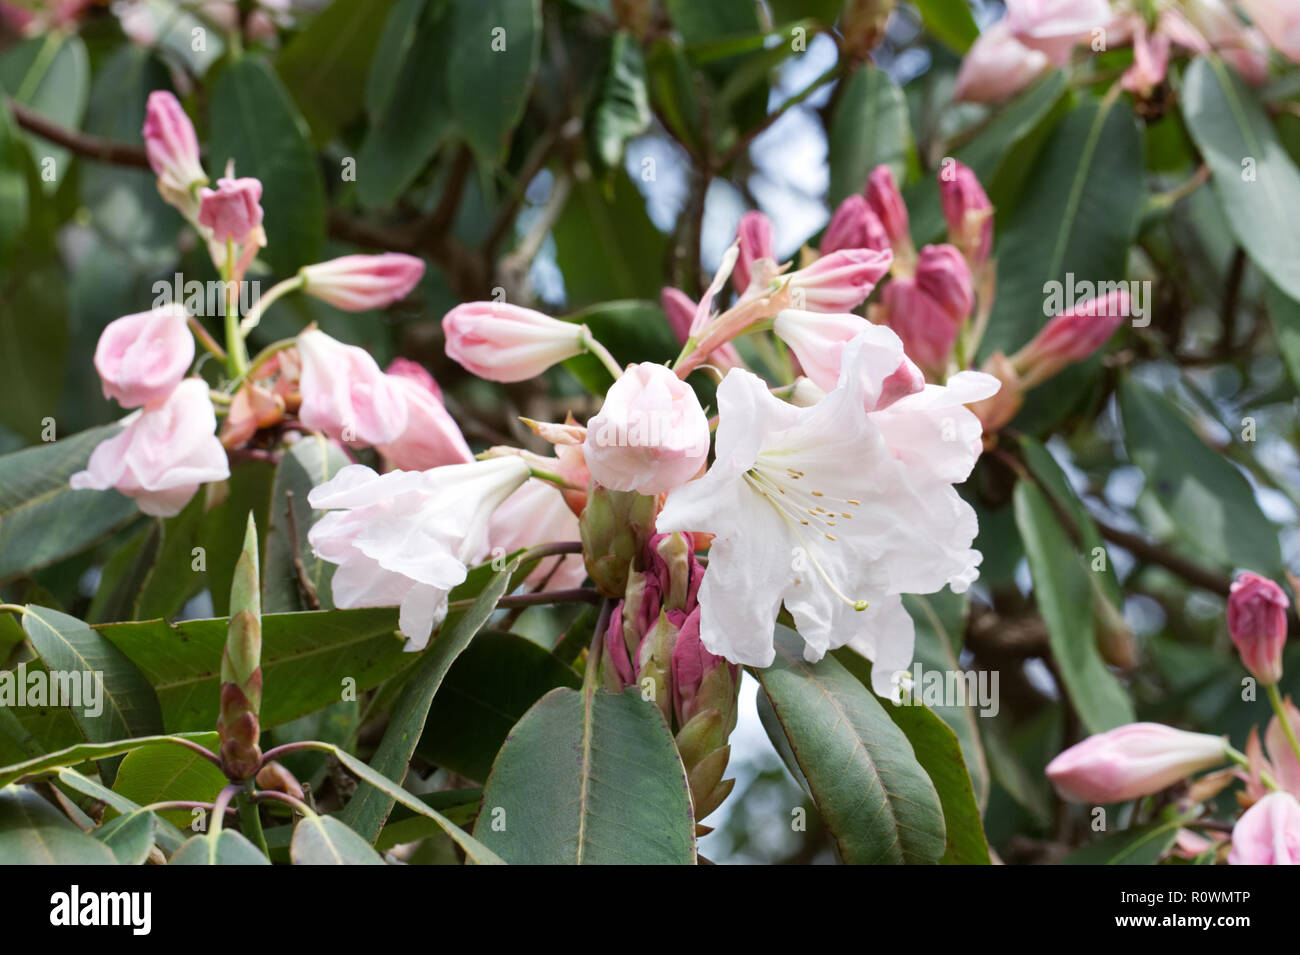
(130, 837)
(870, 128)
(222, 847)
(32, 832)
(621, 109)
(491, 54)
(323, 840)
(163, 772)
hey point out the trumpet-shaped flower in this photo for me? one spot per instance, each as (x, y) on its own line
(813, 508)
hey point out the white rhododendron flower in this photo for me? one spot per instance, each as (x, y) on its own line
(408, 537)
(815, 508)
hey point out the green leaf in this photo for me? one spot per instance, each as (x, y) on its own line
(614, 230)
(307, 464)
(162, 772)
(42, 519)
(27, 732)
(370, 807)
(870, 127)
(1257, 184)
(165, 834)
(491, 54)
(1078, 214)
(222, 533)
(80, 753)
(223, 847)
(874, 796)
(13, 186)
(326, 65)
(488, 689)
(323, 840)
(1064, 598)
(588, 777)
(50, 74)
(32, 832)
(1284, 313)
(1207, 498)
(394, 45)
(305, 659)
(130, 837)
(950, 21)
(32, 353)
(1140, 845)
(172, 580)
(255, 123)
(621, 108)
(126, 704)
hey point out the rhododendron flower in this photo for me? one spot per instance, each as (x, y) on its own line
(1257, 622)
(1056, 26)
(650, 435)
(431, 436)
(817, 340)
(173, 151)
(1279, 21)
(233, 211)
(163, 455)
(1268, 833)
(141, 358)
(346, 396)
(927, 309)
(997, 67)
(838, 282)
(538, 514)
(406, 538)
(1131, 761)
(357, 283)
(887, 203)
(854, 226)
(810, 507)
(502, 342)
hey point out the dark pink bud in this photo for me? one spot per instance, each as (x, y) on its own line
(1257, 621)
(755, 236)
(967, 208)
(927, 331)
(233, 210)
(1071, 337)
(943, 275)
(854, 226)
(172, 148)
(887, 203)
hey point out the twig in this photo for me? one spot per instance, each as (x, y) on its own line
(305, 585)
(1145, 550)
(83, 144)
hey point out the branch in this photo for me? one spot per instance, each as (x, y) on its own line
(1144, 550)
(92, 147)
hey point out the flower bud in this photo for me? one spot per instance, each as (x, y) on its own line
(358, 283)
(1134, 760)
(701, 680)
(173, 151)
(650, 435)
(507, 343)
(345, 395)
(755, 237)
(252, 408)
(615, 526)
(854, 226)
(817, 340)
(1257, 621)
(241, 667)
(967, 209)
(998, 410)
(233, 210)
(943, 275)
(275, 776)
(926, 329)
(1268, 833)
(1071, 337)
(887, 203)
(141, 358)
(838, 282)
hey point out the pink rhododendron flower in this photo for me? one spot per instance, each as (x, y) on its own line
(680, 311)
(173, 151)
(431, 437)
(141, 358)
(1134, 760)
(233, 210)
(838, 282)
(538, 514)
(998, 66)
(817, 340)
(502, 342)
(346, 396)
(854, 226)
(1268, 833)
(163, 455)
(1257, 622)
(1056, 26)
(357, 283)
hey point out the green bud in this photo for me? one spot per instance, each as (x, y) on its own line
(241, 667)
(655, 663)
(676, 555)
(615, 526)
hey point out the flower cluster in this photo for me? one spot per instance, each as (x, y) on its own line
(1142, 759)
(1037, 35)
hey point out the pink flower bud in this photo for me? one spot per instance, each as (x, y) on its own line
(253, 407)
(968, 211)
(1134, 760)
(358, 283)
(173, 149)
(233, 210)
(680, 311)
(503, 342)
(650, 435)
(162, 455)
(1150, 62)
(695, 671)
(927, 331)
(854, 226)
(431, 437)
(1268, 833)
(817, 340)
(346, 396)
(141, 358)
(755, 235)
(1071, 337)
(943, 275)
(1056, 26)
(887, 203)
(997, 67)
(838, 282)
(1257, 621)
(616, 657)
